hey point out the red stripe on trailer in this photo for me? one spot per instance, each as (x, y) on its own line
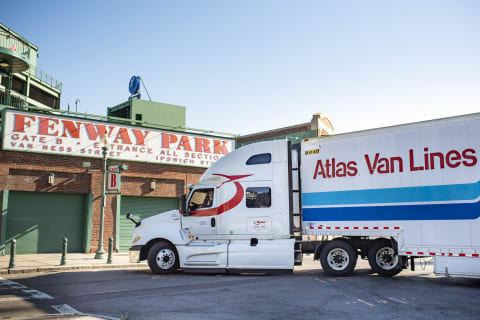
(432, 253)
(329, 227)
(320, 227)
(396, 228)
(461, 255)
(385, 227)
(337, 227)
(420, 252)
(346, 227)
(375, 228)
(450, 254)
(476, 255)
(365, 227)
(409, 252)
(443, 254)
(311, 227)
(355, 227)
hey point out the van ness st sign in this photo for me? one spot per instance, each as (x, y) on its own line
(32, 132)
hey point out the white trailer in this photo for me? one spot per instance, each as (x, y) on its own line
(388, 195)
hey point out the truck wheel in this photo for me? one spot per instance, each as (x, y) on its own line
(338, 258)
(162, 258)
(383, 260)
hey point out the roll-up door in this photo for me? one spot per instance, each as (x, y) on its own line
(40, 220)
(141, 208)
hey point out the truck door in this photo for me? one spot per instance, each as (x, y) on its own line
(201, 219)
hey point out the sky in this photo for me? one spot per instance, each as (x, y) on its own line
(254, 65)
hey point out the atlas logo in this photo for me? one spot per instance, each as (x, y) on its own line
(228, 205)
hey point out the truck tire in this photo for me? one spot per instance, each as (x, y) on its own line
(383, 260)
(338, 258)
(162, 258)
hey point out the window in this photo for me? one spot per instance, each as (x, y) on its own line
(138, 117)
(18, 85)
(43, 97)
(259, 197)
(201, 198)
(260, 159)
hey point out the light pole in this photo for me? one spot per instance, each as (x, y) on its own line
(100, 253)
(76, 104)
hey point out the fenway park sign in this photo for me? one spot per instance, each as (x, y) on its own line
(34, 132)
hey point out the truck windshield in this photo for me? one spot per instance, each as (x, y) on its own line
(201, 198)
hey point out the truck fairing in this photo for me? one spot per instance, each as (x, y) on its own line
(164, 225)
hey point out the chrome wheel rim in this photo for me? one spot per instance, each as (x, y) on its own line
(338, 259)
(165, 259)
(386, 258)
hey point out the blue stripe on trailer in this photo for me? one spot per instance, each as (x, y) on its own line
(449, 211)
(450, 192)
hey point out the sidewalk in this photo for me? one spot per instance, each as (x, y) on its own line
(27, 263)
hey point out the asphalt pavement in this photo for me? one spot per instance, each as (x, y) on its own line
(308, 293)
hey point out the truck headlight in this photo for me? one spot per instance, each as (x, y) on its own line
(136, 239)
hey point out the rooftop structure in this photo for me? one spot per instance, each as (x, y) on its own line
(22, 84)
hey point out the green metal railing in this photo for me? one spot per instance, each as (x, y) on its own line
(16, 101)
(14, 44)
(45, 77)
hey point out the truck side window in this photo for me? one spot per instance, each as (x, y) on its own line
(259, 197)
(201, 198)
(260, 159)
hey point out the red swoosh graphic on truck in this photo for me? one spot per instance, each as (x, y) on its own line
(230, 204)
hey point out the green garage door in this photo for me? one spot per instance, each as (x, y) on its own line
(141, 208)
(39, 221)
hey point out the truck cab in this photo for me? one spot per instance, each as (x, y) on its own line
(237, 218)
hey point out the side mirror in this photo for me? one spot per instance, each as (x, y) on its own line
(183, 206)
(130, 217)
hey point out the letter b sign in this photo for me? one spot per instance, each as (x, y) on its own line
(113, 179)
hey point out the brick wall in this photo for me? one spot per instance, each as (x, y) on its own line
(26, 171)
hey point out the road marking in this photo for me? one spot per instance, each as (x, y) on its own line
(382, 301)
(30, 293)
(11, 284)
(65, 308)
(319, 280)
(393, 299)
(35, 294)
(368, 304)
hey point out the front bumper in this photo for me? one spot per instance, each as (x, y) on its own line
(134, 254)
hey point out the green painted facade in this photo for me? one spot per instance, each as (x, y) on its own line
(39, 221)
(148, 112)
(141, 208)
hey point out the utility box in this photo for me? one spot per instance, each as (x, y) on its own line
(149, 112)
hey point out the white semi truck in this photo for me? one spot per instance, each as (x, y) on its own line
(388, 195)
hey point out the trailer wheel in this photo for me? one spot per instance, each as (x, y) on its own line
(383, 260)
(162, 258)
(338, 258)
